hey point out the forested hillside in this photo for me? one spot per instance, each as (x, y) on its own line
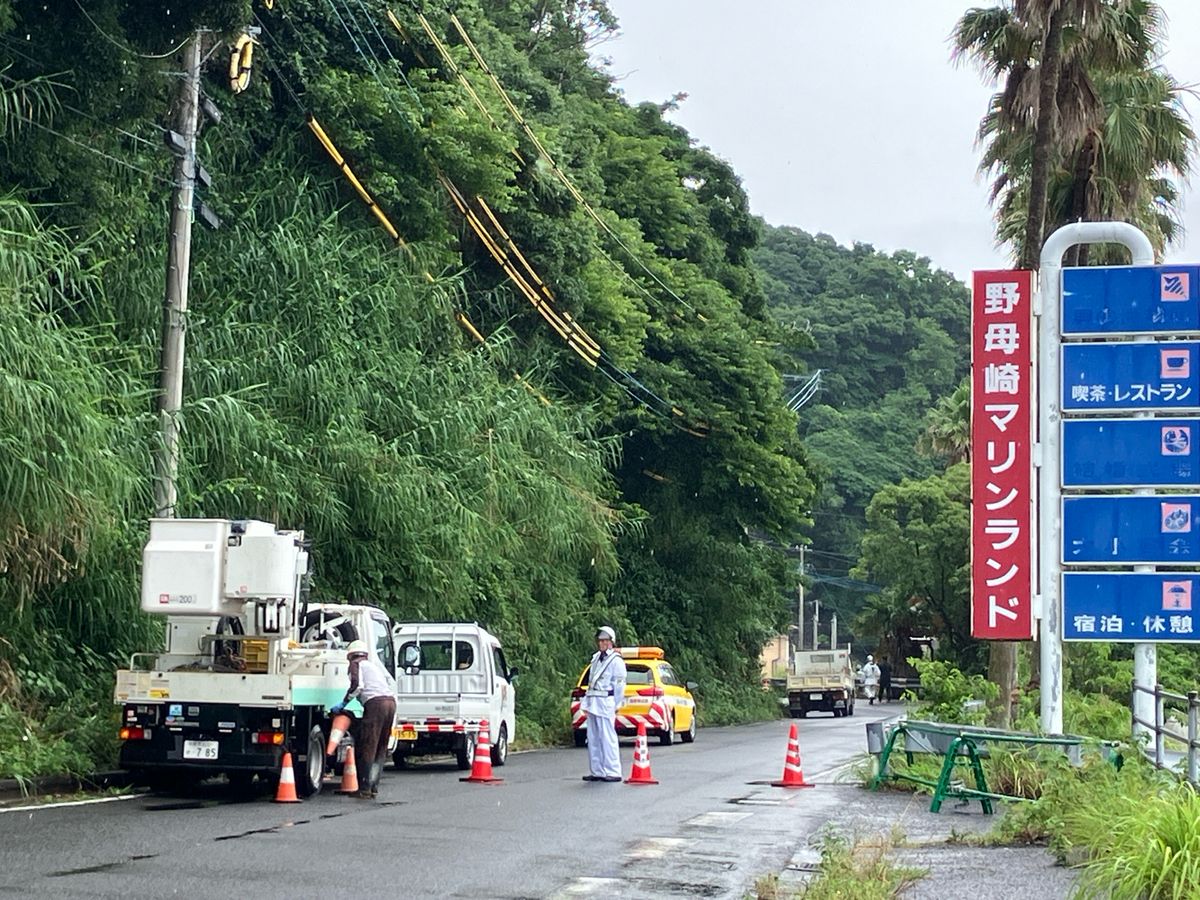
(889, 337)
(334, 380)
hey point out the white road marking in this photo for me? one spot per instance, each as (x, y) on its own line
(717, 818)
(657, 847)
(581, 887)
(65, 803)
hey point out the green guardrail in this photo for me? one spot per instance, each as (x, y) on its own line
(961, 745)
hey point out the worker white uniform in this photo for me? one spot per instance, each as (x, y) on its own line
(605, 693)
(870, 675)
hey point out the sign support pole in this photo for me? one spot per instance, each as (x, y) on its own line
(1047, 458)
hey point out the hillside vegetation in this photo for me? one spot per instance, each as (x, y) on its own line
(330, 382)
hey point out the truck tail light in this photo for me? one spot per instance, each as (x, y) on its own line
(134, 733)
(268, 737)
(577, 693)
(650, 692)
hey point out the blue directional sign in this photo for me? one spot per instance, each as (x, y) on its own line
(1131, 300)
(1142, 607)
(1130, 453)
(1157, 375)
(1154, 530)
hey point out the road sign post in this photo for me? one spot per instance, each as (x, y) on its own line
(1135, 448)
(1050, 334)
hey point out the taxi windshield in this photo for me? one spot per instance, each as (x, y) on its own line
(634, 674)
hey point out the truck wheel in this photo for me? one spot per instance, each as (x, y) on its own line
(400, 760)
(308, 776)
(500, 747)
(465, 755)
(580, 736)
(690, 735)
(667, 737)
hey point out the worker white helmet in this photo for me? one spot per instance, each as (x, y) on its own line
(357, 648)
(870, 658)
(606, 633)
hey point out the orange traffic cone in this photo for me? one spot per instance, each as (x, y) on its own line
(481, 766)
(793, 775)
(287, 781)
(349, 774)
(337, 728)
(640, 773)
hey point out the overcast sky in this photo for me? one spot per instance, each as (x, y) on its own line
(847, 116)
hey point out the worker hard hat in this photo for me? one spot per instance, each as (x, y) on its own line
(357, 648)
(870, 658)
(605, 632)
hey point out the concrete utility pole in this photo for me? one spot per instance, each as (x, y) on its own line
(800, 604)
(179, 256)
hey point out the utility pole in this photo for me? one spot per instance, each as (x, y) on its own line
(179, 255)
(800, 604)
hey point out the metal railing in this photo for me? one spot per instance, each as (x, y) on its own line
(1161, 730)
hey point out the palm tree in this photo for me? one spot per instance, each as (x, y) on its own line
(948, 426)
(1102, 143)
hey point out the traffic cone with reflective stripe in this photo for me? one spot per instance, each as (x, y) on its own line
(640, 773)
(349, 774)
(337, 728)
(793, 775)
(287, 781)
(481, 766)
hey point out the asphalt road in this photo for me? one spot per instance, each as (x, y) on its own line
(707, 830)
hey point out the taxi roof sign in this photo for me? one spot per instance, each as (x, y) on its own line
(641, 652)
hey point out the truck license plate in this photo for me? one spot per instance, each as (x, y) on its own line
(815, 696)
(199, 749)
(408, 734)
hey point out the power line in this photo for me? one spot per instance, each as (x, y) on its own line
(90, 149)
(125, 47)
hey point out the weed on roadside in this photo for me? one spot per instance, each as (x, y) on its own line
(862, 870)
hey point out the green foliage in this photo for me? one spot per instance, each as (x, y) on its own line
(327, 384)
(916, 546)
(889, 334)
(849, 871)
(946, 693)
(1139, 845)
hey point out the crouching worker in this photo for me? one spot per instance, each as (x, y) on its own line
(371, 684)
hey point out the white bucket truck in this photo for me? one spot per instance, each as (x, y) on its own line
(461, 678)
(248, 667)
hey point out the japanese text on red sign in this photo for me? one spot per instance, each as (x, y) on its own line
(1001, 446)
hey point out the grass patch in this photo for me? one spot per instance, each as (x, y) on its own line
(863, 870)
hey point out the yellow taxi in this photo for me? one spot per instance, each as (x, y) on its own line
(654, 695)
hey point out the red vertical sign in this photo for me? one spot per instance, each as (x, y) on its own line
(1002, 338)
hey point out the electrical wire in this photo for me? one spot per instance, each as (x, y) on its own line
(125, 47)
(549, 159)
(90, 149)
(563, 325)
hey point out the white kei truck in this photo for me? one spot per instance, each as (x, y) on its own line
(820, 680)
(461, 678)
(249, 666)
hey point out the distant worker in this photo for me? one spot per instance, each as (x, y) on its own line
(885, 681)
(870, 677)
(605, 693)
(376, 691)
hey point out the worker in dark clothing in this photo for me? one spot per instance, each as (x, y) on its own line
(374, 688)
(885, 681)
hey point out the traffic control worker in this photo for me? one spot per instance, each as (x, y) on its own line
(375, 690)
(605, 693)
